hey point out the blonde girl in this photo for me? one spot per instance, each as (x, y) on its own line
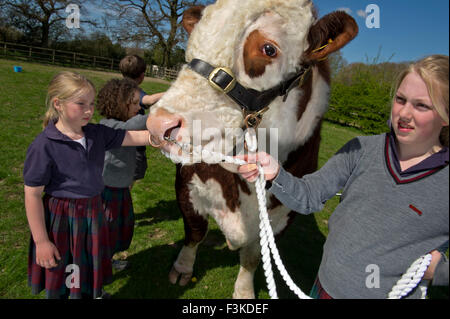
(70, 250)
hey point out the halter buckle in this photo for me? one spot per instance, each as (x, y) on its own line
(253, 120)
(222, 79)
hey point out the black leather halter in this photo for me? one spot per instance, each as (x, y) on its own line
(251, 101)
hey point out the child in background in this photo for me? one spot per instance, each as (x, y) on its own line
(68, 227)
(133, 67)
(118, 102)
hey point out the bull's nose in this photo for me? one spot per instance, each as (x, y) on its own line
(163, 124)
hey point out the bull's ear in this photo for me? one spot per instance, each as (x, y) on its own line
(190, 18)
(329, 34)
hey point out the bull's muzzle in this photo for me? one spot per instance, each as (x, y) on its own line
(163, 124)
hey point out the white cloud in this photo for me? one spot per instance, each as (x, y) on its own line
(361, 13)
(347, 10)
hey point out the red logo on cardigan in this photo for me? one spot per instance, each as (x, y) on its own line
(415, 209)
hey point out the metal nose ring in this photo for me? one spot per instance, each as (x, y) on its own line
(152, 142)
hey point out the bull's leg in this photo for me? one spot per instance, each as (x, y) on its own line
(195, 229)
(250, 257)
(184, 265)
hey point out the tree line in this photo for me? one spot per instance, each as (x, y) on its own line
(107, 27)
(361, 92)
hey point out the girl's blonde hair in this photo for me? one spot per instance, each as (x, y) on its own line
(433, 70)
(64, 86)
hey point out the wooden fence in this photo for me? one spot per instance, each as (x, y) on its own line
(73, 59)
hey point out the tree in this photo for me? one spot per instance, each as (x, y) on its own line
(155, 55)
(96, 43)
(155, 22)
(337, 63)
(8, 32)
(39, 19)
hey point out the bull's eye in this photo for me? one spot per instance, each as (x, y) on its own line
(269, 50)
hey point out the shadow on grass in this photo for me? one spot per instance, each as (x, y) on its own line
(300, 248)
(148, 275)
(163, 211)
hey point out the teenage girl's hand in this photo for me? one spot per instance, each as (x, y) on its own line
(435, 257)
(46, 253)
(250, 171)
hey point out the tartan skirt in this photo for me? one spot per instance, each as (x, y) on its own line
(118, 207)
(317, 291)
(78, 229)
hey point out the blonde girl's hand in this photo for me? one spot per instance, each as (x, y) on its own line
(47, 254)
(250, 171)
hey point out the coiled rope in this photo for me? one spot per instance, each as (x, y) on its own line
(410, 279)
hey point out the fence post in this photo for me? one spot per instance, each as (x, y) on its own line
(112, 64)
(29, 52)
(94, 61)
(74, 54)
(4, 49)
(53, 56)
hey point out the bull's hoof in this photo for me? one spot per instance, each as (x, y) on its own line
(173, 276)
(184, 279)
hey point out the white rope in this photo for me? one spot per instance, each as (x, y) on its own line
(266, 235)
(410, 279)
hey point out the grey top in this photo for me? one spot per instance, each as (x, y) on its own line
(120, 163)
(383, 223)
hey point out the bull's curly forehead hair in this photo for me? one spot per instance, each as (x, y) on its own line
(114, 99)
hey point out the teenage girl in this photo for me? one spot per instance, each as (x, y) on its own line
(394, 205)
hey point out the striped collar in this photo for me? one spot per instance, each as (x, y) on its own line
(427, 167)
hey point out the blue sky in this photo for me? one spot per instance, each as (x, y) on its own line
(409, 29)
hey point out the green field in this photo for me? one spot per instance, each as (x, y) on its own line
(159, 230)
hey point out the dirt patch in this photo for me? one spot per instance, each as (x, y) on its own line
(157, 233)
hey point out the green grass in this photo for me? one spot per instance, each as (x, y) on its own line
(159, 230)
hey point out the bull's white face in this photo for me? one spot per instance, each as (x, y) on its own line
(262, 41)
